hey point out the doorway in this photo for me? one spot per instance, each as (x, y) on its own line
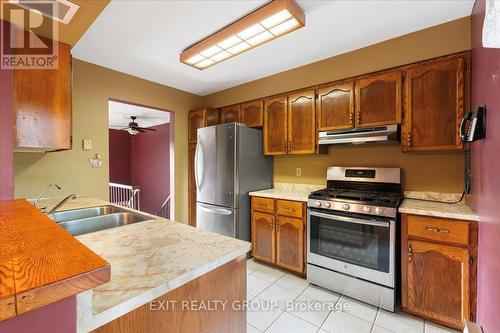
(141, 157)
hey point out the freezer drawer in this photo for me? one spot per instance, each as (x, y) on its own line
(221, 220)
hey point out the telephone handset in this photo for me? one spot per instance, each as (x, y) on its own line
(475, 123)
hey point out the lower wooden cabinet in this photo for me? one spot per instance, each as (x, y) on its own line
(278, 236)
(439, 274)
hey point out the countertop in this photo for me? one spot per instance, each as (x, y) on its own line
(40, 263)
(148, 259)
(459, 211)
(287, 191)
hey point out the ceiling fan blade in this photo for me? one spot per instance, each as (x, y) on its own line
(148, 129)
(139, 129)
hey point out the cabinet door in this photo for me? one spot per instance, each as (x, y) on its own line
(290, 243)
(302, 123)
(263, 237)
(275, 126)
(336, 107)
(191, 186)
(212, 117)
(434, 106)
(252, 113)
(196, 119)
(42, 105)
(379, 99)
(230, 114)
(437, 282)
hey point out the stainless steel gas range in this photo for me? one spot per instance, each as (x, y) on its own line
(351, 236)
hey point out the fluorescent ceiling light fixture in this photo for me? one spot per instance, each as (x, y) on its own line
(61, 10)
(266, 23)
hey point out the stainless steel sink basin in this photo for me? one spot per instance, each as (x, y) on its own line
(77, 214)
(87, 220)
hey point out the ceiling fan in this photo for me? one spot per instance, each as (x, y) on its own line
(134, 128)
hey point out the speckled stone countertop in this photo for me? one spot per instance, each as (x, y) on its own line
(148, 259)
(288, 191)
(460, 211)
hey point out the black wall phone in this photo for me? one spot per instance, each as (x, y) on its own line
(475, 122)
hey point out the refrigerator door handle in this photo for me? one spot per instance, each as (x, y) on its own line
(220, 211)
(199, 154)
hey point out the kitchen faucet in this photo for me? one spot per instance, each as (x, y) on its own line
(35, 202)
(62, 203)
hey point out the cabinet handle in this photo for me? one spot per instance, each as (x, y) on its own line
(409, 140)
(444, 231)
(432, 229)
(351, 117)
(272, 225)
(289, 145)
(358, 117)
(284, 146)
(410, 253)
(277, 226)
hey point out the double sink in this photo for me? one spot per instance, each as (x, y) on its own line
(87, 220)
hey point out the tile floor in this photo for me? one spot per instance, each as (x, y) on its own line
(281, 302)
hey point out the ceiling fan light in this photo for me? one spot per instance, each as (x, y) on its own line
(284, 27)
(132, 131)
(276, 19)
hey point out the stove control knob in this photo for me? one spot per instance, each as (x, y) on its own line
(346, 206)
(379, 210)
(367, 209)
(317, 203)
(327, 204)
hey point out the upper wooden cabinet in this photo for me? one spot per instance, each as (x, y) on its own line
(42, 106)
(379, 99)
(201, 118)
(252, 114)
(336, 107)
(302, 123)
(435, 101)
(230, 114)
(275, 126)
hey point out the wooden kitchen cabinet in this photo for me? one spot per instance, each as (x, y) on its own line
(439, 269)
(230, 114)
(201, 118)
(302, 135)
(42, 106)
(336, 107)
(436, 95)
(278, 233)
(379, 99)
(252, 114)
(275, 126)
(264, 237)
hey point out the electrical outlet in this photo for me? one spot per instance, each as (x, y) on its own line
(87, 144)
(298, 172)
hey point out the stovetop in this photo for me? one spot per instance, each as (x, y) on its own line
(385, 198)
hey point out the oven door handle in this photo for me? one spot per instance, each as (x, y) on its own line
(350, 219)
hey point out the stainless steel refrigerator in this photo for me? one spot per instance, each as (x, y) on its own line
(228, 164)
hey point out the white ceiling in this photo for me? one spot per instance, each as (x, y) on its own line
(119, 115)
(144, 38)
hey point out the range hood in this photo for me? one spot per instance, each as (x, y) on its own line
(379, 134)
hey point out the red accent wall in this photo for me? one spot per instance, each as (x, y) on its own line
(485, 196)
(6, 119)
(142, 160)
(59, 317)
(119, 157)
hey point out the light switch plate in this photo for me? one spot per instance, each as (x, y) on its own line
(87, 144)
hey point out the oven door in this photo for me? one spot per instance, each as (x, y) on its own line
(363, 247)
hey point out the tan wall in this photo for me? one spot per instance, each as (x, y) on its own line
(92, 87)
(436, 171)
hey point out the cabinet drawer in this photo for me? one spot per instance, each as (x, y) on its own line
(437, 229)
(263, 204)
(289, 208)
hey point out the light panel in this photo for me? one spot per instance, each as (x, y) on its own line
(273, 20)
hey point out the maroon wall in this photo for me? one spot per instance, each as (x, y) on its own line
(119, 157)
(59, 317)
(485, 196)
(142, 160)
(6, 118)
(151, 167)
